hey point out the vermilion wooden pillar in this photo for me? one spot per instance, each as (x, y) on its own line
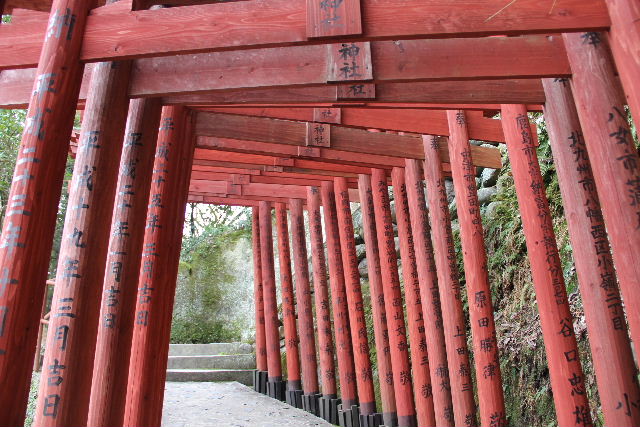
(261, 375)
(483, 328)
(565, 371)
(328, 402)
(429, 293)
(63, 399)
(624, 35)
(29, 224)
(393, 302)
(610, 347)
(308, 359)
(275, 385)
(159, 268)
(380, 330)
(464, 407)
(346, 370)
(357, 322)
(614, 160)
(119, 289)
(423, 390)
(294, 385)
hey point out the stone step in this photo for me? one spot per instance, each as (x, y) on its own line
(243, 376)
(209, 349)
(233, 361)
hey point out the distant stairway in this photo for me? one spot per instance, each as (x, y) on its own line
(211, 362)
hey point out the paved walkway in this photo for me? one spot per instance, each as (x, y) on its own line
(228, 405)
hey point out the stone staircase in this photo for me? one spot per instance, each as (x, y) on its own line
(215, 362)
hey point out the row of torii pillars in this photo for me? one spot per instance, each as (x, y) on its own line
(126, 323)
(432, 384)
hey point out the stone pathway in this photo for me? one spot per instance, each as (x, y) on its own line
(228, 405)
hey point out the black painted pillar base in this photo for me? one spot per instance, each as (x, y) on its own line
(328, 409)
(294, 398)
(276, 388)
(311, 403)
(349, 417)
(390, 419)
(372, 420)
(408, 421)
(260, 381)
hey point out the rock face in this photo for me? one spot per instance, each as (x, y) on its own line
(491, 209)
(363, 268)
(489, 177)
(485, 194)
(448, 185)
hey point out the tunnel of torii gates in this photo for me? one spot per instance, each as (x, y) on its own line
(312, 105)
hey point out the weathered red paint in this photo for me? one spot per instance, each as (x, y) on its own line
(464, 407)
(288, 300)
(29, 224)
(258, 296)
(429, 293)
(271, 322)
(565, 370)
(159, 268)
(380, 330)
(120, 286)
(614, 159)
(308, 359)
(624, 36)
(608, 337)
(423, 389)
(483, 328)
(321, 294)
(399, 347)
(344, 351)
(357, 321)
(64, 398)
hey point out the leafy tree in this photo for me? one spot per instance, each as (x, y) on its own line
(11, 124)
(207, 290)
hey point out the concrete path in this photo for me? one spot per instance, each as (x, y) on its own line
(228, 405)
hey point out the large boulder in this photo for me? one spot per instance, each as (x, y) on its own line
(356, 214)
(448, 185)
(489, 177)
(393, 212)
(491, 209)
(486, 194)
(363, 268)
(396, 240)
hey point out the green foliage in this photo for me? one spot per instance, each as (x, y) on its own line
(11, 126)
(373, 351)
(203, 284)
(33, 394)
(11, 123)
